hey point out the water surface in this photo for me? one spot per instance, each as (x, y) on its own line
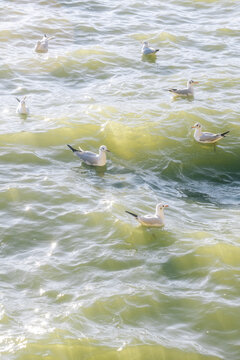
(79, 278)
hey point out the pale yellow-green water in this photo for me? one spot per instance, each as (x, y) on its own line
(79, 279)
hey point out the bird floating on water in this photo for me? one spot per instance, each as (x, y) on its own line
(42, 45)
(91, 158)
(206, 137)
(22, 108)
(147, 50)
(184, 92)
(156, 220)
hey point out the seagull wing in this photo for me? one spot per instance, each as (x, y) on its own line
(209, 137)
(149, 220)
(148, 51)
(88, 157)
(181, 91)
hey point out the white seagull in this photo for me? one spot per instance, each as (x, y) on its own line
(206, 137)
(22, 108)
(156, 220)
(147, 50)
(42, 46)
(91, 158)
(184, 92)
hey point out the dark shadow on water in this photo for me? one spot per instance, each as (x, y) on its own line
(151, 58)
(189, 98)
(90, 170)
(213, 147)
(151, 237)
(121, 184)
(23, 117)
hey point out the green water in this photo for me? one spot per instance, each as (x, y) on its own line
(79, 279)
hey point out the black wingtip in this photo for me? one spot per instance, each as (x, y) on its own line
(156, 50)
(70, 147)
(225, 133)
(18, 99)
(131, 213)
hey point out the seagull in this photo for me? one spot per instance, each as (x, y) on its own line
(91, 158)
(42, 46)
(22, 108)
(206, 137)
(156, 220)
(147, 50)
(184, 92)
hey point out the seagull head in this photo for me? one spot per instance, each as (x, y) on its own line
(161, 206)
(145, 43)
(47, 38)
(191, 82)
(103, 148)
(197, 126)
(159, 209)
(22, 101)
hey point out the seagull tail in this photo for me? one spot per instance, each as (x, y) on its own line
(131, 214)
(70, 147)
(156, 50)
(224, 134)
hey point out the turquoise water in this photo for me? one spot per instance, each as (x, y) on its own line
(79, 278)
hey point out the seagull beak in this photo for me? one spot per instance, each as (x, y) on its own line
(166, 205)
(108, 150)
(193, 127)
(196, 82)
